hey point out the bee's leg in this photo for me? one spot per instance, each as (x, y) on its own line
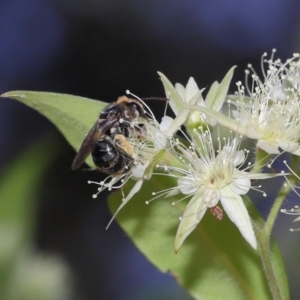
(122, 144)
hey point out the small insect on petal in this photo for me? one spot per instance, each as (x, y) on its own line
(217, 212)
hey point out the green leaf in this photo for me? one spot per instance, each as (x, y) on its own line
(215, 262)
(74, 116)
(20, 182)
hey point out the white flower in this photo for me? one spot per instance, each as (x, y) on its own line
(208, 178)
(271, 113)
(182, 97)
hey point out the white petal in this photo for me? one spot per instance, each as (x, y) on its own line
(176, 103)
(235, 209)
(197, 98)
(138, 171)
(211, 197)
(222, 119)
(173, 192)
(180, 89)
(160, 140)
(191, 89)
(211, 95)
(269, 147)
(239, 158)
(178, 121)
(264, 175)
(133, 191)
(165, 123)
(192, 215)
(222, 91)
(296, 152)
(241, 185)
(288, 146)
(187, 185)
(251, 132)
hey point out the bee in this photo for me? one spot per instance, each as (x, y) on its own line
(113, 156)
(107, 140)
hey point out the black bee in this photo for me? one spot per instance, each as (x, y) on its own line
(107, 141)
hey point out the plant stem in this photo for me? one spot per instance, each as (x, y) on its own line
(263, 237)
(265, 255)
(276, 207)
(261, 160)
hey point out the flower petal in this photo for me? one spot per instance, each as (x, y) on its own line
(296, 152)
(238, 158)
(211, 197)
(241, 185)
(176, 102)
(221, 119)
(235, 209)
(187, 185)
(165, 123)
(251, 132)
(191, 89)
(173, 192)
(178, 121)
(138, 171)
(192, 215)
(222, 91)
(180, 89)
(288, 146)
(269, 147)
(265, 175)
(160, 140)
(211, 94)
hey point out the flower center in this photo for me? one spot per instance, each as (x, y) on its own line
(217, 175)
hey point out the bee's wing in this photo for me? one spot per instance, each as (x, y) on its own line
(86, 147)
(99, 129)
(107, 124)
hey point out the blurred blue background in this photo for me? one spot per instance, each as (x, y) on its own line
(98, 49)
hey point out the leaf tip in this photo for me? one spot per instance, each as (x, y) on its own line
(13, 95)
(178, 243)
(5, 95)
(161, 75)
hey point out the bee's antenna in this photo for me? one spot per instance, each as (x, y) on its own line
(158, 99)
(155, 99)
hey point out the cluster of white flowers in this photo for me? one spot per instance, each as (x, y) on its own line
(208, 174)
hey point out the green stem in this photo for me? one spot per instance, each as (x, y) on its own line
(277, 205)
(265, 255)
(261, 160)
(264, 234)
